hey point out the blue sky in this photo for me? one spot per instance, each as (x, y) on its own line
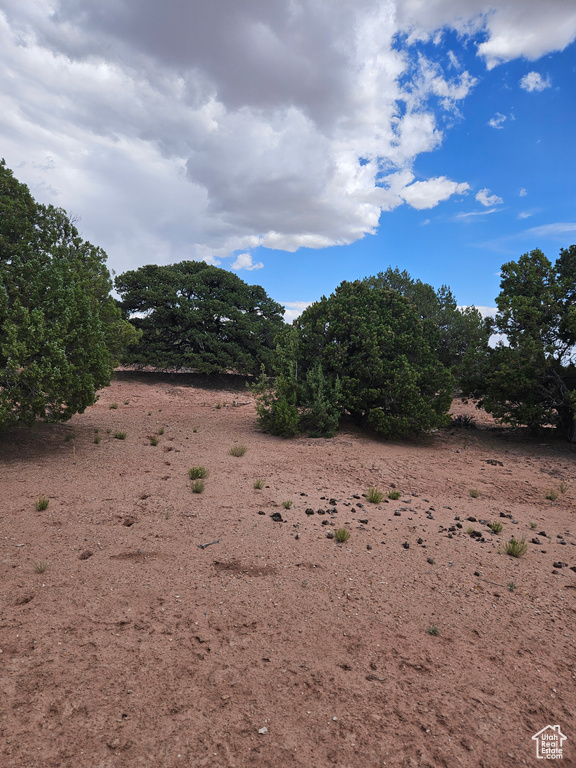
(300, 143)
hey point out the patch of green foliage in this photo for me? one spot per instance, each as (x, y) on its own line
(194, 315)
(61, 332)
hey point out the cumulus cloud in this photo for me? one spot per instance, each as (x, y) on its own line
(486, 198)
(534, 81)
(294, 309)
(244, 261)
(203, 130)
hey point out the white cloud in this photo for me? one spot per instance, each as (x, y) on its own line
(294, 309)
(486, 198)
(525, 214)
(497, 121)
(552, 230)
(203, 130)
(244, 261)
(473, 214)
(534, 81)
(522, 193)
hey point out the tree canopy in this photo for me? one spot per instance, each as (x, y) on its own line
(364, 351)
(194, 315)
(461, 330)
(530, 378)
(60, 330)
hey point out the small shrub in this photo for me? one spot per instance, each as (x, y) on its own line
(161, 431)
(120, 435)
(516, 548)
(533, 525)
(495, 527)
(512, 586)
(237, 450)
(374, 495)
(113, 406)
(126, 402)
(42, 503)
(463, 422)
(198, 486)
(218, 406)
(287, 504)
(97, 439)
(469, 530)
(40, 566)
(194, 430)
(197, 472)
(433, 630)
(394, 495)
(258, 484)
(474, 492)
(341, 535)
(552, 495)
(563, 487)
(153, 440)
(69, 436)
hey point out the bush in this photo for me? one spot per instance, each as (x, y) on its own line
(374, 495)
(60, 329)
(516, 548)
(372, 340)
(197, 473)
(321, 401)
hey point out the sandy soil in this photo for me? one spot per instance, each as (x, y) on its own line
(123, 643)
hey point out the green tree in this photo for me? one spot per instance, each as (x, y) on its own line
(194, 315)
(531, 377)
(373, 341)
(461, 330)
(60, 330)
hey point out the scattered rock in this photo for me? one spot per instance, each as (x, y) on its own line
(430, 560)
(86, 554)
(330, 535)
(309, 511)
(277, 517)
(263, 731)
(406, 545)
(368, 547)
(535, 540)
(397, 513)
(261, 512)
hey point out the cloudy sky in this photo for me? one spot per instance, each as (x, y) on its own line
(300, 142)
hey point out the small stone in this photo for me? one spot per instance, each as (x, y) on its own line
(277, 517)
(476, 573)
(420, 541)
(321, 512)
(368, 547)
(263, 731)
(364, 522)
(471, 519)
(397, 513)
(330, 535)
(430, 560)
(406, 545)
(333, 502)
(541, 533)
(535, 540)
(309, 511)
(261, 512)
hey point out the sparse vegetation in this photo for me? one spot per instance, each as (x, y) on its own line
(198, 486)
(516, 547)
(258, 484)
(126, 402)
(161, 431)
(563, 486)
(120, 435)
(463, 422)
(433, 630)
(374, 495)
(198, 473)
(153, 440)
(474, 492)
(469, 530)
(40, 566)
(69, 436)
(341, 535)
(113, 406)
(394, 495)
(512, 586)
(495, 527)
(97, 439)
(552, 495)
(287, 504)
(533, 525)
(42, 503)
(237, 450)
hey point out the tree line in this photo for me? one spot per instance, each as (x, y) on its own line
(388, 351)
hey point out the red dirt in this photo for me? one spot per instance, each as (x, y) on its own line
(135, 647)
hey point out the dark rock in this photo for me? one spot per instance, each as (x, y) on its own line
(450, 535)
(430, 560)
(559, 564)
(406, 545)
(458, 525)
(420, 541)
(556, 572)
(333, 502)
(261, 512)
(360, 505)
(355, 496)
(476, 573)
(303, 494)
(573, 568)
(542, 533)
(321, 512)
(535, 540)
(309, 511)
(330, 535)
(471, 519)
(368, 547)
(325, 522)
(277, 517)
(364, 522)
(397, 513)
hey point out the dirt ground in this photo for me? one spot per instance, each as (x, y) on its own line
(418, 642)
